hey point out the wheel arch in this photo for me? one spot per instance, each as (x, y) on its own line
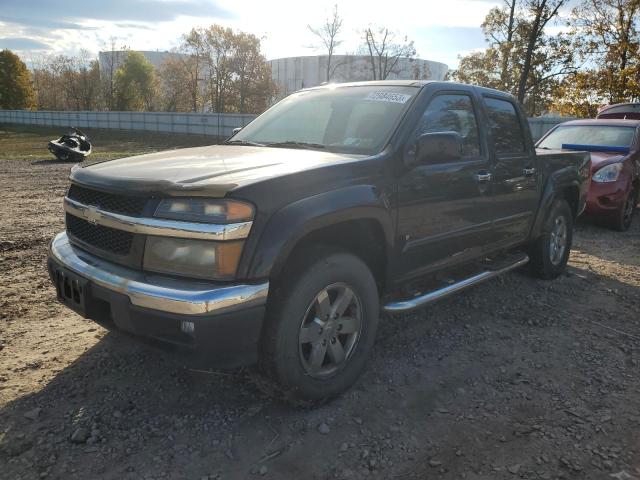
(559, 186)
(354, 219)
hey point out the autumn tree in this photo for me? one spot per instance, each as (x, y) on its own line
(193, 60)
(219, 69)
(384, 49)
(538, 14)
(135, 84)
(16, 91)
(605, 35)
(327, 34)
(175, 85)
(252, 84)
(113, 59)
(521, 58)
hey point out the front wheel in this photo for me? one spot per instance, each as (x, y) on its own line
(321, 326)
(550, 253)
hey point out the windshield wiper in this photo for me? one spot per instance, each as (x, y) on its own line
(244, 142)
(294, 144)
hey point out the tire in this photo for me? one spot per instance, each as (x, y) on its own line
(624, 216)
(550, 252)
(295, 335)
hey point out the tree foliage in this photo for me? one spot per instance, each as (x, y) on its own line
(521, 58)
(604, 35)
(135, 84)
(217, 69)
(67, 83)
(16, 90)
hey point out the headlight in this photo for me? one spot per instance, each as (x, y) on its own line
(608, 173)
(204, 210)
(192, 258)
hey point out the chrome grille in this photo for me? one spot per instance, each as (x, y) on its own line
(124, 204)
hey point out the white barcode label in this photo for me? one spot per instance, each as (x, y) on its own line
(388, 97)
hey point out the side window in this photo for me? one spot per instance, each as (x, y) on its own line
(505, 126)
(452, 113)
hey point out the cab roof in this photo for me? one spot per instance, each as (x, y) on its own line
(414, 83)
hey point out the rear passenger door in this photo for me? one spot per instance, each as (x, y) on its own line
(513, 172)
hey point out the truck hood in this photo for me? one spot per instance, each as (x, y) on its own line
(212, 171)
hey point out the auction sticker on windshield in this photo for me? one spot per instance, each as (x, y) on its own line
(381, 96)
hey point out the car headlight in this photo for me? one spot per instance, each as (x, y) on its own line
(192, 258)
(608, 173)
(205, 210)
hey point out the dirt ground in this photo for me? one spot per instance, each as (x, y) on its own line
(516, 378)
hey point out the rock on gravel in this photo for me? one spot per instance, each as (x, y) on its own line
(80, 435)
(33, 414)
(323, 428)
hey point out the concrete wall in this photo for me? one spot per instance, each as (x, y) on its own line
(219, 125)
(294, 73)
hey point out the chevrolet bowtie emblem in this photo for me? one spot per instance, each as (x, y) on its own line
(92, 215)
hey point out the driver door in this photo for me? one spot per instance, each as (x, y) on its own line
(444, 208)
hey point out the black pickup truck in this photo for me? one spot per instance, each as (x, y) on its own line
(282, 246)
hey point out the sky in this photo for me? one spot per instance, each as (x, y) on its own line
(441, 29)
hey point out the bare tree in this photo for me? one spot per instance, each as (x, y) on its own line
(328, 35)
(113, 59)
(385, 50)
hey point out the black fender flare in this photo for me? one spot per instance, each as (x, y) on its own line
(292, 223)
(558, 181)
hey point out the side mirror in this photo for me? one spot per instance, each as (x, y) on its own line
(234, 131)
(440, 147)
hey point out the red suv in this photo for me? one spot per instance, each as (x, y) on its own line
(615, 164)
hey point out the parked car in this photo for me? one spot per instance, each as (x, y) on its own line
(281, 246)
(628, 111)
(615, 164)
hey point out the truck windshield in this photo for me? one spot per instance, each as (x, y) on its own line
(347, 119)
(595, 135)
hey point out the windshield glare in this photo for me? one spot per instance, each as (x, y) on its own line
(355, 119)
(600, 135)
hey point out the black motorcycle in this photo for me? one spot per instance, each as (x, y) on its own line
(72, 146)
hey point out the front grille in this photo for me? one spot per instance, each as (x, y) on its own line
(98, 236)
(125, 204)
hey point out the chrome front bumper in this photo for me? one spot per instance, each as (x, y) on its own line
(156, 292)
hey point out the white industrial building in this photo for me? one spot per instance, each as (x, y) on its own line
(294, 73)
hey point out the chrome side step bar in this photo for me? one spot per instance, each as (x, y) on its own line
(421, 300)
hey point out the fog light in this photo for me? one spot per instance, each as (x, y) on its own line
(187, 327)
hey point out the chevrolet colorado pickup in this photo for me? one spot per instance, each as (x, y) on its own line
(282, 246)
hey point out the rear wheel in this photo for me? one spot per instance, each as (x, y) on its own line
(550, 253)
(321, 326)
(624, 217)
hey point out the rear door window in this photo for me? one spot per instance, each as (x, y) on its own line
(505, 126)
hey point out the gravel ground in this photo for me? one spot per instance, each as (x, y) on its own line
(516, 378)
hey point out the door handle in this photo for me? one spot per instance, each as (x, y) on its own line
(527, 172)
(483, 177)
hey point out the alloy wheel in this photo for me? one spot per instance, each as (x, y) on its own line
(330, 330)
(558, 240)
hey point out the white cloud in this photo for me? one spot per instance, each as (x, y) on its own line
(281, 23)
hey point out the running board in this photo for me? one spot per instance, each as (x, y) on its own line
(421, 300)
